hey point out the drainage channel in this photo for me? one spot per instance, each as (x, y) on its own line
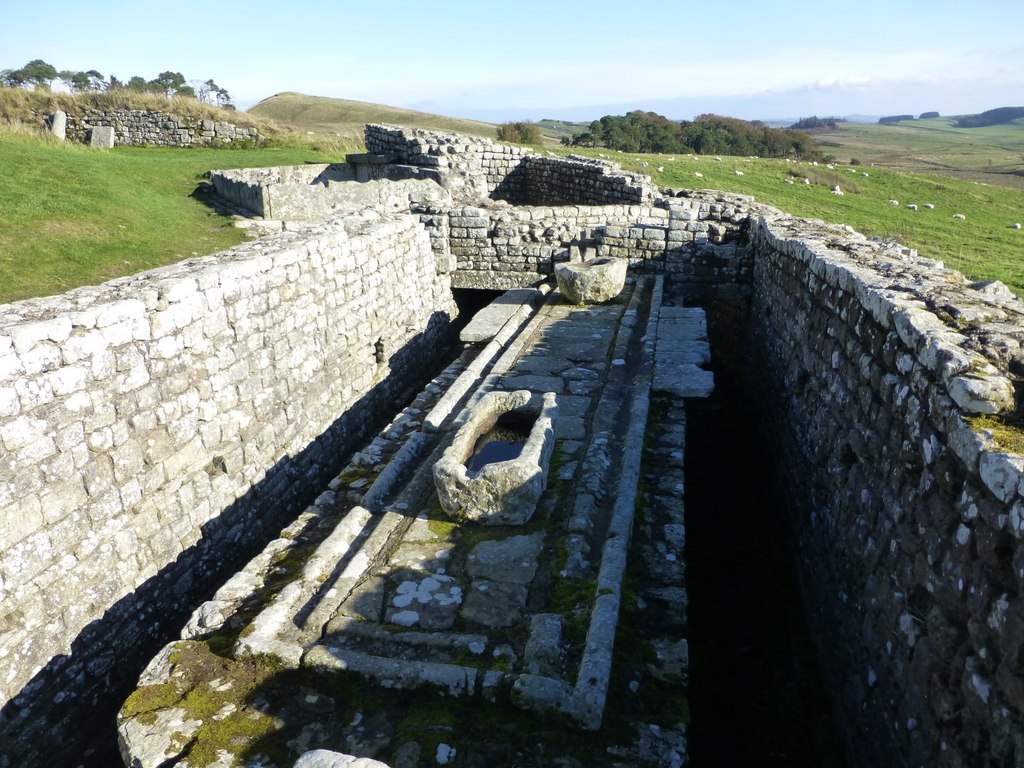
(756, 696)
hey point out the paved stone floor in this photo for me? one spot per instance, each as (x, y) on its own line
(408, 634)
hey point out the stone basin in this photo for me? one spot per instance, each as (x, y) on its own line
(591, 282)
(500, 492)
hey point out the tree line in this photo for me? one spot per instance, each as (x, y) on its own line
(707, 134)
(38, 74)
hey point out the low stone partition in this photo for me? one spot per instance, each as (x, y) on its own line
(580, 180)
(889, 385)
(307, 192)
(158, 428)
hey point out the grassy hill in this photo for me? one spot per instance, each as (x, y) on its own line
(992, 154)
(342, 116)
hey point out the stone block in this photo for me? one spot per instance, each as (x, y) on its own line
(101, 136)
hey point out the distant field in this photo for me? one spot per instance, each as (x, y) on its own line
(73, 215)
(993, 154)
(983, 246)
(342, 116)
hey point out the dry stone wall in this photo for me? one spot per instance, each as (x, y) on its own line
(162, 129)
(583, 181)
(157, 428)
(872, 365)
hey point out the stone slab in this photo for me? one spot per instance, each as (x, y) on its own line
(101, 136)
(489, 320)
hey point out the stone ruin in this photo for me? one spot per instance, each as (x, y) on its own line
(188, 411)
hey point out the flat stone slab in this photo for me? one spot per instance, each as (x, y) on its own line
(512, 560)
(682, 349)
(489, 320)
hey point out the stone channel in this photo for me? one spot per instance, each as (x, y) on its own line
(376, 587)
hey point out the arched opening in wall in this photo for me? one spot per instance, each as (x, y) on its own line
(756, 696)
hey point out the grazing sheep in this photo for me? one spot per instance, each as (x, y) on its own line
(836, 190)
(698, 174)
(814, 163)
(643, 165)
(929, 206)
(739, 173)
(852, 170)
(807, 181)
(661, 168)
(911, 207)
(788, 181)
(894, 202)
(1017, 225)
(830, 167)
(671, 159)
(863, 173)
(959, 216)
(718, 159)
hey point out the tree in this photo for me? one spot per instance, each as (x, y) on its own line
(136, 83)
(171, 83)
(38, 74)
(209, 92)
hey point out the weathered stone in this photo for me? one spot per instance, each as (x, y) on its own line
(591, 282)
(503, 492)
(59, 124)
(513, 560)
(323, 758)
(101, 136)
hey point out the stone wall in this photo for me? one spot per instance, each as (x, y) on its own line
(576, 180)
(695, 241)
(162, 129)
(872, 366)
(306, 192)
(158, 428)
(475, 169)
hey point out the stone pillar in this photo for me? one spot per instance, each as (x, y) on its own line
(59, 124)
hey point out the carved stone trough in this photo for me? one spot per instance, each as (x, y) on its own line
(593, 281)
(503, 489)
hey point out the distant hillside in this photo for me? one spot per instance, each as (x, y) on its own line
(558, 129)
(1000, 116)
(326, 115)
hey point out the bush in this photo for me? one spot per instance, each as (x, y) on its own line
(519, 133)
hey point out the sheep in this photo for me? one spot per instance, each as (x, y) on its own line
(739, 173)
(911, 207)
(959, 216)
(852, 170)
(830, 167)
(788, 181)
(929, 206)
(837, 191)
(1017, 225)
(718, 159)
(863, 173)
(894, 202)
(807, 181)
(698, 174)
(661, 169)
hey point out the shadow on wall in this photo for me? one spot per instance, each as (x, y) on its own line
(65, 716)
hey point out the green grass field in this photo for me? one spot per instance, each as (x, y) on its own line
(73, 215)
(76, 216)
(347, 118)
(983, 246)
(993, 154)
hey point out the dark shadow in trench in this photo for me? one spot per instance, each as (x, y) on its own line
(756, 695)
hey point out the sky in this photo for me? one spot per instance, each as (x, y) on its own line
(549, 59)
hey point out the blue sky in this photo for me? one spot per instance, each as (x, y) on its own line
(573, 60)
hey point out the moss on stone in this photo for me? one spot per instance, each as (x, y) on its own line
(1006, 435)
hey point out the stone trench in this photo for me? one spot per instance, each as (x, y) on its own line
(377, 626)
